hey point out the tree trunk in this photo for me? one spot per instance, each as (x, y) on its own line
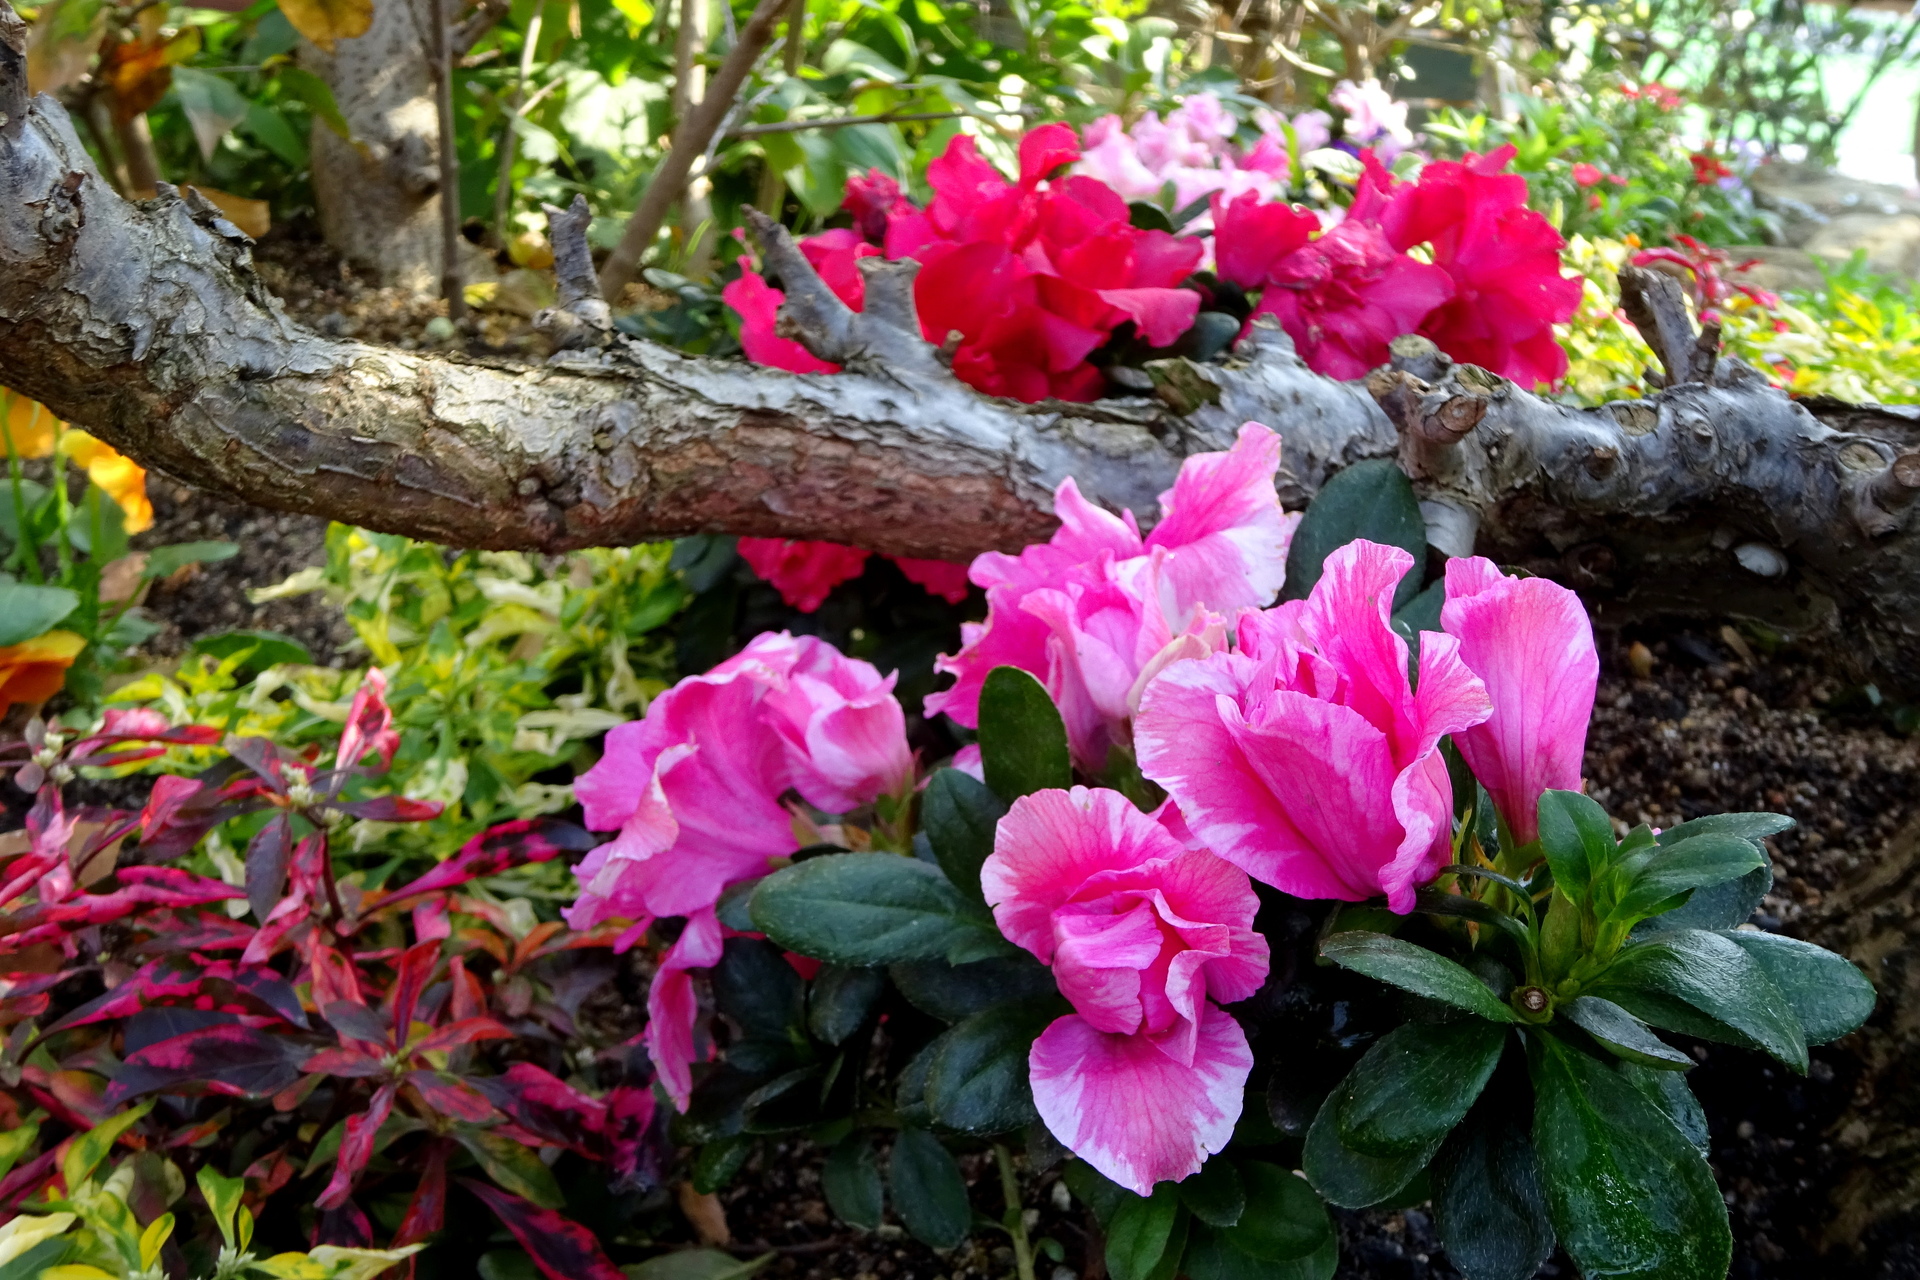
(147, 325)
(379, 193)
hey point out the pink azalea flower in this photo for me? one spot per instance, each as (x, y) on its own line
(1144, 1079)
(1343, 297)
(1373, 117)
(758, 305)
(1305, 758)
(846, 735)
(1093, 611)
(1531, 644)
(695, 790)
(804, 573)
(1503, 259)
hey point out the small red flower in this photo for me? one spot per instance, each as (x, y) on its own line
(1587, 175)
(1707, 169)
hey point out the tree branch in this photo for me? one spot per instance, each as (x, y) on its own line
(690, 141)
(147, 325)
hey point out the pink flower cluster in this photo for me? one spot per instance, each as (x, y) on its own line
(1490, 294)
(1303, 756)
(1193, 149)
(696, 790)
(1097, 611)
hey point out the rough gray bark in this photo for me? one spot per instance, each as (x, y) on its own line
(147, 325)
(378, 194)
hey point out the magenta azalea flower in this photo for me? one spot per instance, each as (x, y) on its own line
(804, 573)
(1531, 644)
(1144, 1079)
(1305, 758)
(1090, 611)
(695, 791)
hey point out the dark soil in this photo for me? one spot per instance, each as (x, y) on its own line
(1689, 722)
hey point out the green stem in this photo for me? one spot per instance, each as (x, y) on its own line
(27, 548)
(62, 553)
(1016, 1216)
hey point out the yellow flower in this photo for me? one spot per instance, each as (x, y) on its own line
(34, 670)
(119, 477)
(29, 425)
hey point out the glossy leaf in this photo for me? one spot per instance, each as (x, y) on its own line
(1629, 1196)
(864, 909)
(1349, 1178)
(1023, 741)
(1415, 969)
(1487, 1196)
(1215, 1195)
(1141, 1233)
(1690, 864)
(928, 1192)
(1095, 1190)
(840, 1000)
(1211, 1256)
(1284, 1220)
(1826, 992)
(951, 992)
(1416, 1083)
(755, 986)
(851, 1180)
(267, 855)
(977, 1077)
(91, 1147)
(959, 815)
(1371, 500)
(1715, 976)
(1577, 837)
(1622, 1033)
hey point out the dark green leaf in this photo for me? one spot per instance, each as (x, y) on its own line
(1416, 1083)
(910, 1089)
(1828, 995)
(928, 1192)
(28, 611)
(1023, 741)
(164, 562)
(1435, 902)
(1718, 906)
(1622, 1033)
(868, 908)
(1670, 1093)
(1415, 969)
(1487, 1198)
(1093, 1189)
(1370, 500)
(29, 1264)
(1715, 976)
(851, 1180)
(1141, 1232)
(840, 1000)
(1690, 864)
(1349, 1178)
(1748, 826)
(98, 527)
(755, 986)
(1215, 1194)
(1211, 1256)
(1284, 1220)
(951, 992)
(977, 1079)
(958, 815)
(719, 1162)
(261, 649)
(1577, 839)
(1630, 1197)
(735, 904)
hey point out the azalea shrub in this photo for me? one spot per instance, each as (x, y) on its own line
(281, 1066)
(1269, 858)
